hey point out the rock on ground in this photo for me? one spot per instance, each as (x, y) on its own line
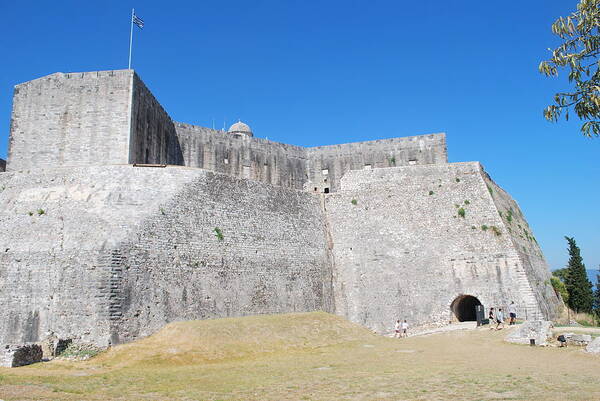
(594, 346)
(536, 329)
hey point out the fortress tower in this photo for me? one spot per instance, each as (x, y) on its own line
(99, 248)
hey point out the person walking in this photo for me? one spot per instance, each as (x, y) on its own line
(512, 312)
(404, 327)
(397, 329)
(499, 319)
(491, 318)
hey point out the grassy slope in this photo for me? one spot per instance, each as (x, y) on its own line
(310, 356)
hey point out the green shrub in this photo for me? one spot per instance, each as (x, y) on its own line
(80, 351)
(430, 192)
(40, 212)
(490, 189)
(461, 212)
(219, 234)
(467, 202)
(496, 231)
(354, 202)
(484, 227)
(392, 161)
(30, 213)
(458, 180)
(509, 216)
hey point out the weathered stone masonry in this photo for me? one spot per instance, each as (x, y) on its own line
(94, 249)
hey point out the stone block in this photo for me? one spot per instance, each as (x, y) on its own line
(20, 355)
(539, 330)
(580, 339)
(594, 346)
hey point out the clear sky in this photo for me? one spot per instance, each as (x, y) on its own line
(323, 72)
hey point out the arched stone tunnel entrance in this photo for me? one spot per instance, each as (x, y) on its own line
(463, 308)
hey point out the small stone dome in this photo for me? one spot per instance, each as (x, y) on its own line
(240, 128)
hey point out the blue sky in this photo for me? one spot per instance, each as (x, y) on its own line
(314, 73)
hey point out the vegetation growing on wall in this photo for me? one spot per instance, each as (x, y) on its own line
(559, 287)
(219, 234)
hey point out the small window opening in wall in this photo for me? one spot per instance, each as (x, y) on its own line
(324, 179)
(316, 189)
(412, 162)
(368, 167)
(226, 161)
(325, 171)
(326, 190)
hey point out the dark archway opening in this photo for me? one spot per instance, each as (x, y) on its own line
(463, 308)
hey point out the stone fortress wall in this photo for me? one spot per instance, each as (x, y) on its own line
(403, 249)
(95, 249)
(328, 164)
(2, 165)
(243, 156)
(75, 119)
(110, 117)
(120, 251)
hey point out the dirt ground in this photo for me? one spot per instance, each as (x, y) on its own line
(312, 356)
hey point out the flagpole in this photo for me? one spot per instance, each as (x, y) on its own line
(130, 38)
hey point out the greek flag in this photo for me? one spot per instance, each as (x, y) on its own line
(138, 21)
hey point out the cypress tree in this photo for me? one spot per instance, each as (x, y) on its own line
(581, 296)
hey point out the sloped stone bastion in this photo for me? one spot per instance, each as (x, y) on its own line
(116, 220)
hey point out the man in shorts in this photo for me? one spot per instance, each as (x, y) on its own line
(512, 312)
(404, 327)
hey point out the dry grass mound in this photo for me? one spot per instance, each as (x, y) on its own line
(310, 356)
(219, 340)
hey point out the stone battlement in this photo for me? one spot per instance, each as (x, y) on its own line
(111, 117)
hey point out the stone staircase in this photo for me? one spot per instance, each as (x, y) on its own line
(530, 310)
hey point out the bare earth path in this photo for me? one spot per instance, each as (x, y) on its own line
(311, 357)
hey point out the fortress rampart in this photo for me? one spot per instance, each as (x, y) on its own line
(97, 250)
(110, 117)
